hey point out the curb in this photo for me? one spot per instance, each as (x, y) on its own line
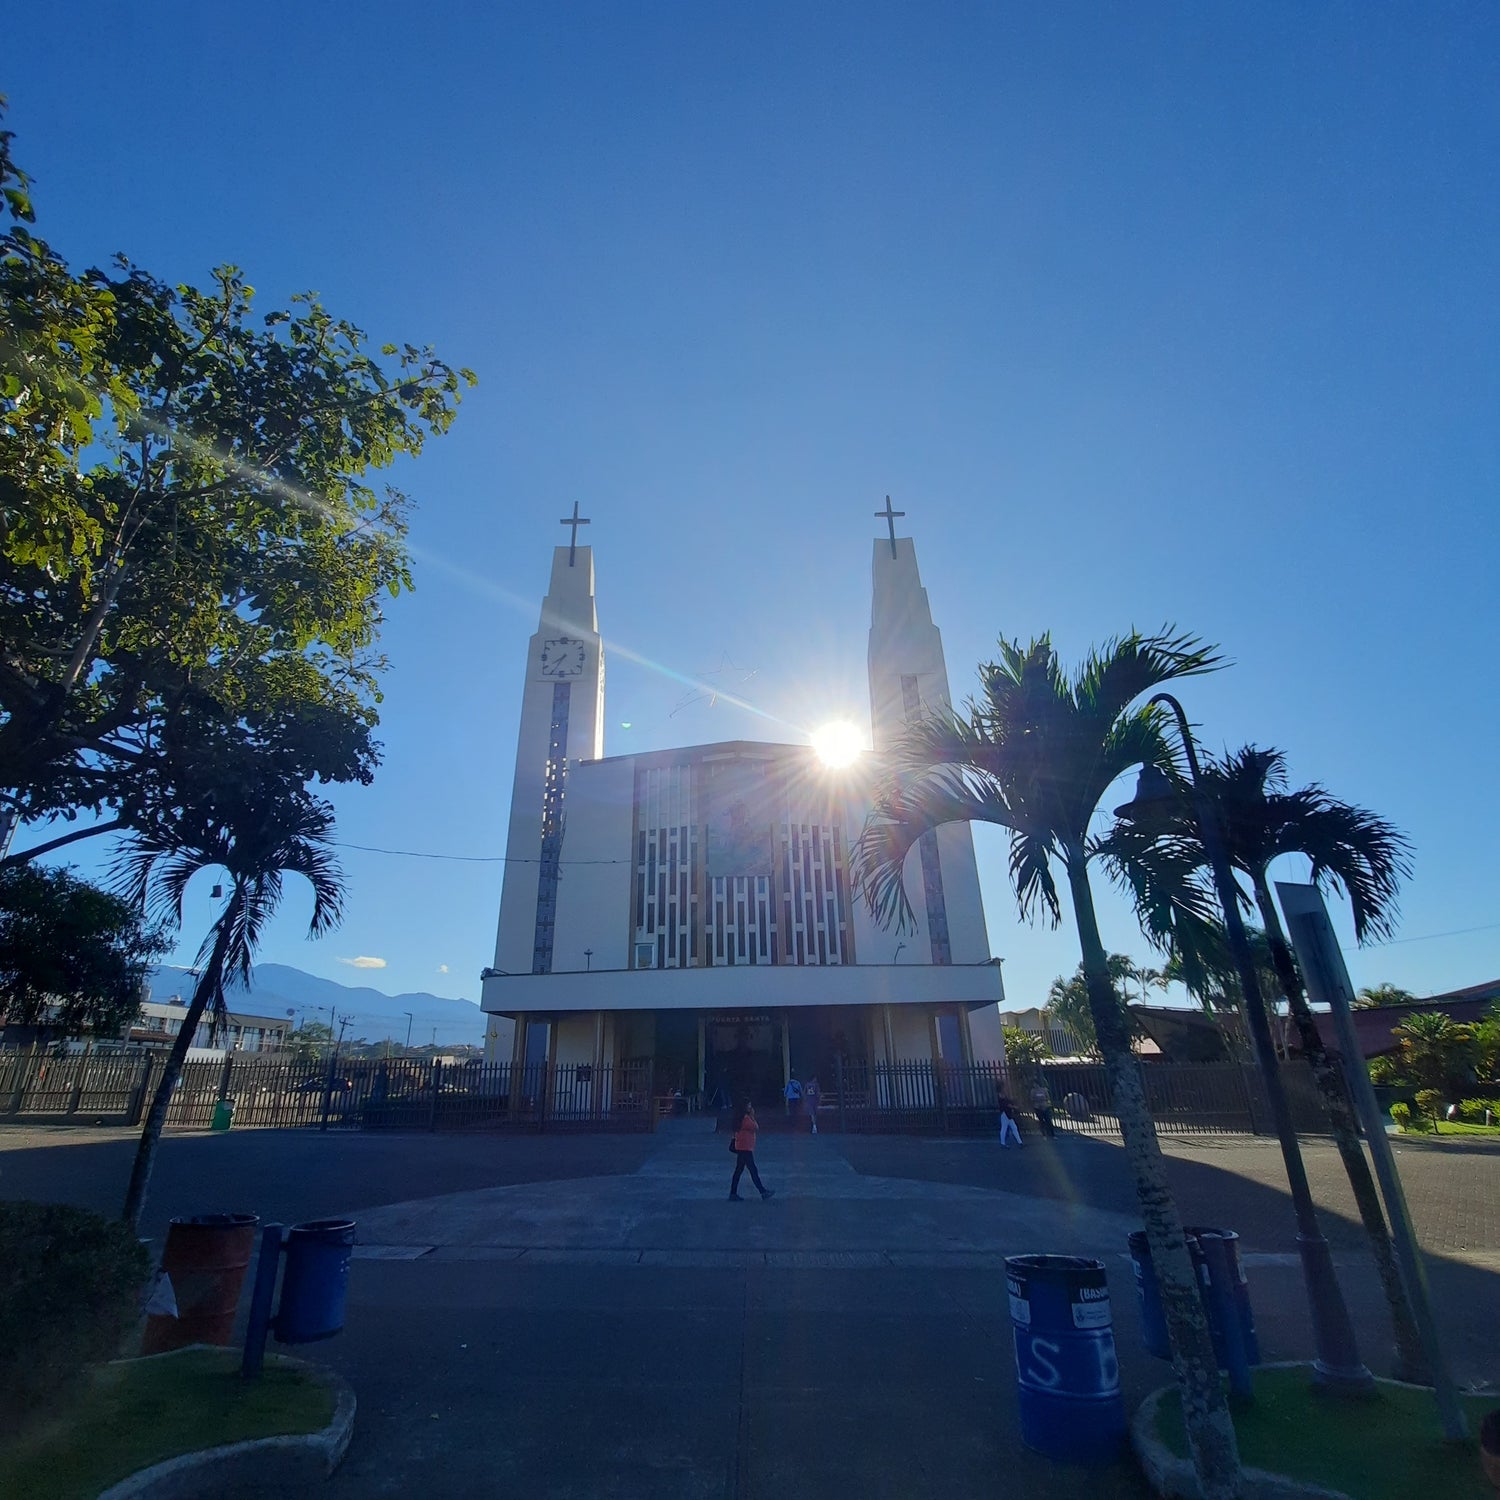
(1173, 1477)
(258, 1465)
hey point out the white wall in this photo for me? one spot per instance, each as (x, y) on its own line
(593, 899)
(986, 1043)
(575, 1040)
(745, 987)
(911, 1033)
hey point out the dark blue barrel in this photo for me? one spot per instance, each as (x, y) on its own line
(1153, 1317)
(315, 1281)
(1237, 1292)
(1066, 1368)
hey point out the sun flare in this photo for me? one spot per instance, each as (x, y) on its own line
(838, 744)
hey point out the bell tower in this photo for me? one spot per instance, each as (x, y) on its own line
(562, 722)
(909, 678)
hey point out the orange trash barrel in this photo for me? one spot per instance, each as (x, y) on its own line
(206, 1258)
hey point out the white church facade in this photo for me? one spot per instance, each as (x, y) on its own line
(693, 906)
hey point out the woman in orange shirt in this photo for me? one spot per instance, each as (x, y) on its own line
(742, 1143)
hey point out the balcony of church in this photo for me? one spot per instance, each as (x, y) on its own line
(743, 987)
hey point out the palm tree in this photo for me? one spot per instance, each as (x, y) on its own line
(1382, 994)
(1035, 755)
(257, 836)
(1437, 1051)
(1212, 979)
(1068, 1003)
(1351, 850)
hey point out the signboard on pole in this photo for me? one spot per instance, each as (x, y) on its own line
(1327, 981)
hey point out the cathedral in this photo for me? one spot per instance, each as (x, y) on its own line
(693, 906)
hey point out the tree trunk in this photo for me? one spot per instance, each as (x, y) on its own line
(1411, 1362)
(1210, 1432)
(210, 983)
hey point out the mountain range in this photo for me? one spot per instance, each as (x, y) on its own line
(279, 990)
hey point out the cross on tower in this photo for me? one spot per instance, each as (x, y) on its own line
(889, 517)
(575, 521)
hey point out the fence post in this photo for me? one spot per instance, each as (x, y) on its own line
(76, 1093)
(432, 1113)
(839, 1069)
(143, 1087)
(23, 1079)
(1248, 1082)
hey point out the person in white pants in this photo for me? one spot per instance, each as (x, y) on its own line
(1008, 1122)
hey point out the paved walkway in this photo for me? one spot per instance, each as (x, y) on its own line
(673, 1211)
(588, 1317)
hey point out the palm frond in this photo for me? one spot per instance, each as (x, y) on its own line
(1116, 674)
(941, 738)
(258, 833)
(1031, 874)
(1174, 899)
(1351, 850)
(903, 812)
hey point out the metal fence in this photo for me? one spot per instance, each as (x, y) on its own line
(950, 1099)
(403, 1094)
(364, 1093)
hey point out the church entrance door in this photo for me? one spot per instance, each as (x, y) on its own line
(743, 1055)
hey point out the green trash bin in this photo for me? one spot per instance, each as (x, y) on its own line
(223, 1116)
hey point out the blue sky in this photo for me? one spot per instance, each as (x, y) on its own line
(1147, 313)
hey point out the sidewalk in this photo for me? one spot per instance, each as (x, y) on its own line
(636, 1335)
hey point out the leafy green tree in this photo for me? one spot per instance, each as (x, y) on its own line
(71, 955)
(1213, 981)
(1437, 1052)
(193, 556)
(1487, 1046)
(1159, 854)
(1068, 1003)
(1373, 996)
(1023, 1049)
(309, 1041)
(257, 834)
(1035, 755)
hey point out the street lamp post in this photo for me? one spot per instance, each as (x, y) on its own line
(409, 1019)
(1338, 1364)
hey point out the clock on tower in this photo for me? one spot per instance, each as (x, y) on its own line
(564, 657)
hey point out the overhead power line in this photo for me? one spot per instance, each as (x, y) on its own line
(472, 859)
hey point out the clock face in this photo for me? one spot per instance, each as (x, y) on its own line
(564, 657)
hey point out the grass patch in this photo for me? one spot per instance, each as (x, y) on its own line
(1457, 1127)
(132, 1415)
(1385, 1446)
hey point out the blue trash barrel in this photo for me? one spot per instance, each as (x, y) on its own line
(1153, 1317)
(315, 1281)
(1239, 1291)
(1066, 1367)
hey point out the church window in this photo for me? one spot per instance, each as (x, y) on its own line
(553, 786)
(739, 919)
(666, 855)
(815, 896)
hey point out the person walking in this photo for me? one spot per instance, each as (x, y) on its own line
(1041, 1107)
(811, 1095)
(793, 1095)
(1008, 1121)
(742, 1143)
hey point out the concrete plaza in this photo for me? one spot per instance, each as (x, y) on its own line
(588, 1316)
